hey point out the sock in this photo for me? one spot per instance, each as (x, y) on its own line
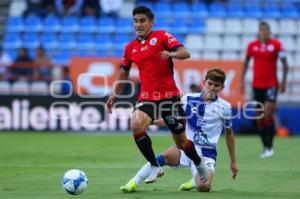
(142, 174)
(270, 131)
(260, 125)
(161, 161)
(144, 144)
(191, 152)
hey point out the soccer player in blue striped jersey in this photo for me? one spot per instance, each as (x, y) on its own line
(207, 116)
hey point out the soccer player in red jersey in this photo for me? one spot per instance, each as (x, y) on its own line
(265, 51)
(152, 52)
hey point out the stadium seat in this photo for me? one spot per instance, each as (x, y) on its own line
(288, 27)
(87, 24)
(85, 41)
(31, 40)
(250, 26)
(104, 42)
(67, 41)
(62, 57)
(217, 10)
(196, 27)
(69, 24)
(290, 11)
(15, 24)
(288, 43)
(12, 41)
(33, 23)
(181, 10)
(179, 27)
(196, 54)
(271, 11)
(212, 42)
(20, 88)
(233, 26)
(163, 10)
(235, 10)
(5, 88)
(274, 26)
(39, 88)
(253, 10)
(246, 39)
(199, 11)
(106, 25)
(162, 24)
(231, 43)
(194, 42)
(124, 25)
(49, 41)
(120, 41)
(214, 25)
(52, 24)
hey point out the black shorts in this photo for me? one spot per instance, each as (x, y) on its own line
(263, 95)
(169, 109)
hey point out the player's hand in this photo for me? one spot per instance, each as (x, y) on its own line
(166, 55)
(282, 87)
(234, 169)
(109, 103)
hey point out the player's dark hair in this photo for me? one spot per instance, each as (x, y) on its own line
(216, 74)
(143, 10)
(263, 23)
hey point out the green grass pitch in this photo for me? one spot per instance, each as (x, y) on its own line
(32, 165)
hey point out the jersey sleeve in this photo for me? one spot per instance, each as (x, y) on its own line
(126, 61)
(170, 41)
(249, 51)
(227, 117)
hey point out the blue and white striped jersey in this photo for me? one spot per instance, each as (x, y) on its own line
(205, 121)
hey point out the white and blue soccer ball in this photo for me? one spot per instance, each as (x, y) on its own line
(74, 181)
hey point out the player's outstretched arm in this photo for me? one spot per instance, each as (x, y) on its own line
(231, 150)
(123, 75)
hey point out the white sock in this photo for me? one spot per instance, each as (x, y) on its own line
(142, 174)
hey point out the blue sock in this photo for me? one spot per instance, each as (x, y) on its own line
(161, 161)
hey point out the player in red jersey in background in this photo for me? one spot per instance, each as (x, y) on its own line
(152, 52)
(265, 51)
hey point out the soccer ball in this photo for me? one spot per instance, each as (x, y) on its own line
(74, 181)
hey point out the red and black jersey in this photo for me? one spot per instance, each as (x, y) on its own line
(156, 75)
(265, 57)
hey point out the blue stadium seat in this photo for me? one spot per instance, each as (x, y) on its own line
(31, 40)
(106, 25)
(179, 27)
(199, 11)
(197, 27)
(62, 57)
(12, 41)
(104, 42)
(181, 10)
(87, 24)
(49, 41)
(162, 24)
(67, 41)
(253, 10)
(271, 11)
(69, 24)
(217, 10)
(162, 9)
(33, 23)
(15, 24)
(235, 10)
(120, 41)
(85, 41)
(290, 11)
(124, 25)
(52, 24)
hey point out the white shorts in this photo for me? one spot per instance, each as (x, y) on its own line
(187, 162)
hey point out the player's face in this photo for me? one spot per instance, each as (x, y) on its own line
(264, 32)
(212, 89)
(142, 25)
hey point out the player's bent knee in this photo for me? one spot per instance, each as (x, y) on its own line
(136, 127)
